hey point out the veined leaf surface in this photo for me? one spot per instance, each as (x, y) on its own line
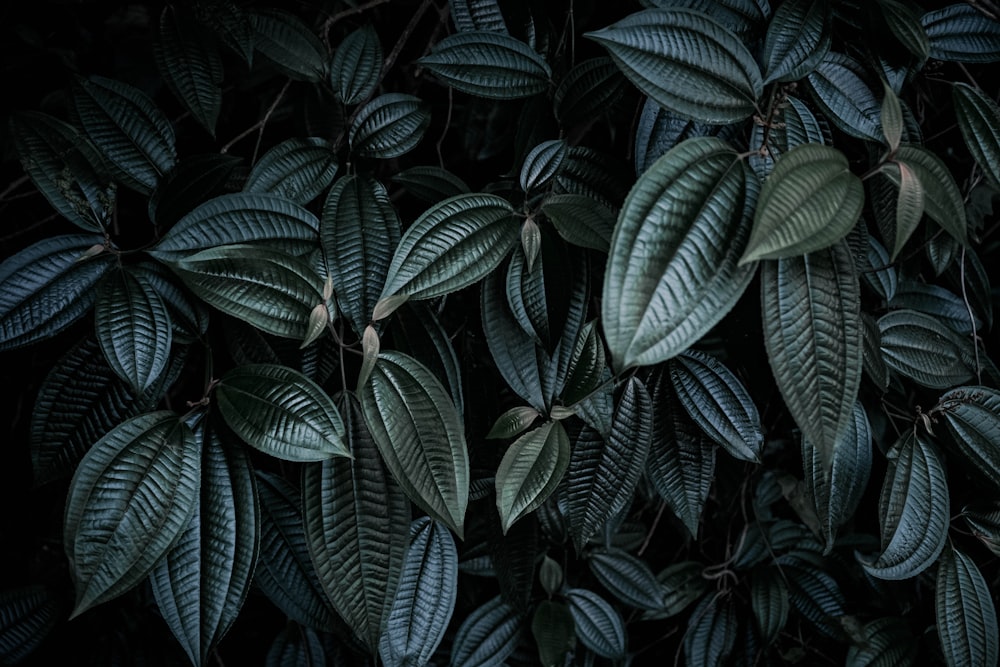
(971, 417)
(965, 613)
(530, 471)
(488, 64)
(296, 170)
(798, 37)
(389, 126)
(357, 65)
(979, 119)
(189, 61)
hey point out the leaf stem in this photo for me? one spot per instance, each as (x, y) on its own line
(259, 125)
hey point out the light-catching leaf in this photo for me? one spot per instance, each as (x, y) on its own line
(795, 125)
(542, 163)
(488, 64)
(389, 126)
(979, 119)
(965, 613)
(599, 626)
(920, 347)
(296, 170)
(798, 38)
(357, 66)
(580, 220)
(961, 33)
(530, 471)
(971, 417)
(943, 201)
(487, 636)
(839, 87)
(909, 204)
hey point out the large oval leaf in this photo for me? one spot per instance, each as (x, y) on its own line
(357, 65)
(712, 76)
(141, 480)
(530, 471)
(672, 273)
(965, 613)
(960, 32)
(979, 119)
(598, 625)
(487, 636)
(281, 412)
(296, 170)
(389, 126)
(840, 89)
(420, 436)
(798, 37)
(920, 347)
(488, 64)
(189, 62)
(971, 417)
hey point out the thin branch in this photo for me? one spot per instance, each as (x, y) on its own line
(259, 125)
(652, 529)
(24, 230)
(972, 317)
(13, 186)
(404, 37)
(329, 23)
(444, 132)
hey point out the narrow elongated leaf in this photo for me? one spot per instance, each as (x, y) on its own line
(903, 19)
(923, 349)
(513, 422)
(27, 616)
(389, 126)
(947, 307)
(452, 245)
(188, 316)
(553, 630)
(289, 45)
(839, 87)
(487, 636)
(627, 578)
(979, 119)
(357, 525)
(488, 64)
(580, 220)
(530, 471)
(281, 412)
(971, 417)
(816, 596)
(718, 402)
(892, 117)
(914, 509)
(296, 170)
(909, 205)
(420, 436)
(587, 365)
(357, 66)
(672, 273)
(713, 76)
(798, 37)
(943, 200)
(134, 136)
(966, 615)
(188, 59)
(425, 600)
(961, 33)
(142, 479)
(770, 602)
(231, 24)
(48, 286)
(810, 201)
(202, 582)
(599, 626)
(590, 88)
(812, 332)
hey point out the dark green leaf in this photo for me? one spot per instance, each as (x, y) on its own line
(580, 220)
(983, 519)
(589, 89)
(598, 625)
(903, 19)
(418, 332)
(296, 170)
(552, 628)
(683, 584)
(586, 367)
(194, 180)
(488, 64)
(798, 37)
(470, 15)
(27, 616)
(487, 636)
(189, 61)
(231, 24)
(530, 471)
(923, 349)
(971, 417)
(770, 603)
(795, 125)
(711, 632)
(966, 615)
(839, 87)
(886, 641)
(542, 163)
(513, 422)
(979, 119)
(389, 126)
(937, 301)
(627, 578)
(961, 33)
(289, 45)
(357, 66)
(943, 200)
(744, 18)
(296, 646)
(816, 596)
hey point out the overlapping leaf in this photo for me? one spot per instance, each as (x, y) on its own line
(971, 417)
(966, 615)
(418, 332)
(431, 184)
(770, 602)
(920, 347)
(296, 170)
(470, 15)
(194, 180)
(542, 163)
(598, 625)
(27, 616)
(487, 636)
(530, 471)
(357, 65)
(798, 37)
(943, 201)
(961, 33)
(289, 45)
(580, 220)
(488, 64)
(589, 89)
(796, 125)
(389, 126)
(711, 631)
(627, 578)
(979, 119)
(840, 89)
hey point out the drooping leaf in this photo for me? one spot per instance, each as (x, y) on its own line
(487, 636)
(744, 18)
(357, 525)
(983, 519)
(892, 117)
(903, 20)
(587, 365)
(627, 577)
(294, 646)
(794, 125)
(134, 136)
(711, 632)
(357, 65)
(961, 33)
(513, 422)
(389, 126)
(488, 64)
(965, 612)
(683, 584)
(589, 89)
(296, 169)
(770, 602)
(971, 417)
(288, 44)
(530, 471)
(580, 220)
(27, 616)
(840, 89)
(713, 76)
(431, 184)
(420, 436)
(815, 595)
(921, 348)
(672, 273)
(599, 626)
(659, 130)
(914, 510)
(142, 480)
(979, 120)
(798, 37)
(603, 177)
(943, 201)
(909, 205)
(48, 286)
(939, 302)
(553, 629)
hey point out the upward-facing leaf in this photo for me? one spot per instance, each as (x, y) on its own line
(979, 119)
(712, 76)
(296, 170)
(357, 65)
(943, 200)
(798, 37)
(628, 578)
(389, 126)
(470, 15)
(961, 33)
(487, 636)
(920, 347)
(598, 625)
(672, 273)
(839, 87)
(530, 471)
(488, 64)
(965, 613)
(289, 44)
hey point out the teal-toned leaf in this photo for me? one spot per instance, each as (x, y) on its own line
(65, 167)
(189, 62)
(587, 365)
(431, 184)
(798, 38)
(228, 20)
(134, 136)
(420, 436)
(48, 286)
(271, 290)
(599, 626)
(357, 525)
(941, 303)
(425, 600)
(971, 418)
(659, 130)
(289, 45)
(530, 471)
(249, 218)
(892, 117)
(742, 17)
(133, 329)
(627, 578)
(943, 201)
(595, 174)
(589, 89)
(471, 15)
(770, 603)
(672, 273)
(389, 126)
(542, 163)
(513, 422)
(202, 582)
(914, 510)
(961, 33)
(795, 125)
(142, 480)
(553, 629)
(909, 204)
(718, 402)
(528, 297)
(357, 65)
(194, 180)
(812, 333)
(965, 612)
(488, 64)
(580, 220)
(296, 170)
(923, 349)
(711, 631)
(903, 19)
(871, 354)
(452, 245)
(713, 76)
(487, 636)
(839, 87)
(417, 331)
(979, 120)
(27, 616)
(816, 596)
(810, 201)
(886, 641)
(983, 519)
(683, 583)
(294, 646)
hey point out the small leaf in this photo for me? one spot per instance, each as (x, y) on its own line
(189, 63)
(27, 616)
(487, 636)
(971, 417)
(281, 412)
(839, 88)
(542, 163)
(289, 45)
(513, 422)
(488, 64)
(296, 170)
(770, 602)
(943, 201)
(961, 33)
(627, 578)
(979, 120)
(923, 349)
(553, 630)
(599, 626)
(389, 126)
(371, 345)
(530, 471)
(580, 220)
(909, 204)
(798, 37)
(357, 66)
(965, 613)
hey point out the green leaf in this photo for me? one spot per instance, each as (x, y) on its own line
(580, 220)
(513, 422)
(452, 245)
(921, 348)
(971, 417)
(189, 62)
(839, 87)
(389, 126)
(431, 184)
(142, 480)
(794, 125)
(420, 436)
(599, 626)
(961, 33)
(202, 582)
(770, 603)
(552, 628)
(719, 80)
(812, 331)
(744, 18)
(586, 367)
(357, 66)
(672, 273)
(487, 636)
(979, 120)
(134, 136)
(542, 163)
(798, 38)
(257, 219)
(271, 290)
(281, 412)
(228, 20)
(627, 577)
(296, 646)
(194, 180)
(914, 510)
(603, 474)
(530, 471)
(589, 89)
(488, 64)
(718, 402)
(965, 613)
(983, 519)
(133, 329)
(947, 307)
(816, 596)
(289, 45)
(886, 641)
(27, 615)
(417, 331)
(296, 170)
(471, 15)
(357, 525)
(65, 167)
(909, 203)
(810, 201)
(48, 286)
(425, 600)
(683, 584)
(943, 200)
(903, 19)
(892, 117)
